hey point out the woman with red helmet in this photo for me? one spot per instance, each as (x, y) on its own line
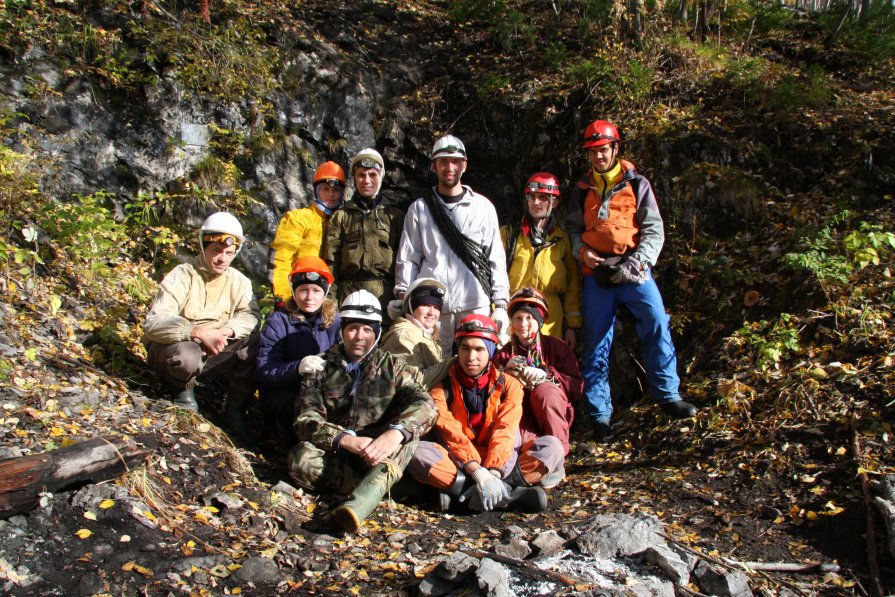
(547, 367)
(480, 458)
(617, 234)
(300, 231)
(307, 325)
(539, 255)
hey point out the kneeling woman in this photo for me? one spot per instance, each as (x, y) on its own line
(545, 365)
(415, 334)
(479, 409)
(307, 325)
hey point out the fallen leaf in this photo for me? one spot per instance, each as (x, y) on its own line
(106, 504)
(84, 533)
(89, 515)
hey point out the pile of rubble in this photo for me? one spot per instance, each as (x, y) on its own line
(612, 554)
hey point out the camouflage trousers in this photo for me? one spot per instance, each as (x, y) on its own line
(326, 472)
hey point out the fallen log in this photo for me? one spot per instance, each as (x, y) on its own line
(23, 479)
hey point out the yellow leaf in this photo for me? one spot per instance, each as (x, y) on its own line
(84, 533)
(203, 427)
(147, 572)
(146, 422)
(106, 504)
(89, 515)
(310, 508)
(236, 591)
(128, 566)
(811, 515)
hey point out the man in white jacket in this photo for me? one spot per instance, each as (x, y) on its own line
(451, 234)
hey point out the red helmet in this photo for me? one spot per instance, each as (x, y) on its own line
(525, 297)
(309, 269)
(477, 326)
(542, 182)
(600, 132)
(329, 171)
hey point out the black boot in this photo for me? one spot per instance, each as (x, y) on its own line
(186, 398)
(679, 409)
(234, 416)
(453, 492)
(527, 499)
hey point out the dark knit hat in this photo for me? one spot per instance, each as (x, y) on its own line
(530, 308)
(426, 295)
(302, 278)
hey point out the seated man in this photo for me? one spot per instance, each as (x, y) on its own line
(479, 409)
(202, 322)
(545, 365)
(415, 335)
(359, 418)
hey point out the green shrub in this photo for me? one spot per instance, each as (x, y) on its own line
(770, 342)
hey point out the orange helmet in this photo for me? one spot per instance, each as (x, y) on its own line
(542, 182)
(329, 171)
(529, 298)
(310, 270)
(600, 132)
(476, 326)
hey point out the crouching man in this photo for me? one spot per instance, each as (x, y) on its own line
(481, 459)
(359, 416)
(202, 323)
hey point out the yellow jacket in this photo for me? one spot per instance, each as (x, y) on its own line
(552, 269)
(299, 234)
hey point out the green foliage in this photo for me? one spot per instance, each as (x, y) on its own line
(833, 259)
(87, 232)
(555, 53)
(770, 342)
(872, 36)
(492, 83)
(508, 25)
(226, 61)
(18, 243)
(618, 82)
(796, 91)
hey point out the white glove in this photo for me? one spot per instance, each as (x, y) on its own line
(500, 317)
(395, 308)
(532, 376)
(490, 488)
(311, 365)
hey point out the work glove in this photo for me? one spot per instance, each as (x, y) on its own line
(500, 317)
(311, 365)
(395, 309)
(630, 271)
(515, 365)
(532, 376)
(490, 489)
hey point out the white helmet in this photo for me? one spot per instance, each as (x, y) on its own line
(437, 289)
(368, 158)
(362, 305)
(221, 227)
(448, 146)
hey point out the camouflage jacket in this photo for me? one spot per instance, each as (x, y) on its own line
(390, 392)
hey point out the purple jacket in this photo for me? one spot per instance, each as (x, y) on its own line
(285, 340)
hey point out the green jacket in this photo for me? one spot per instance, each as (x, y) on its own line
(390, 392)
(360, 243)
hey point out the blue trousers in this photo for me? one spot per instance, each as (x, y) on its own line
(659, 360)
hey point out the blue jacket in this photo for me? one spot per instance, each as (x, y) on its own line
(286, 339)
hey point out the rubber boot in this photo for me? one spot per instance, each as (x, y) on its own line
(234, 416)
(186, 399)
(453, 492)
(366, 496)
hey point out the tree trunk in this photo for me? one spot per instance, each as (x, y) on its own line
(23, 479)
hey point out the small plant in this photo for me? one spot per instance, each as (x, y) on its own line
(867, 242)
(770, 342)
(555, 53)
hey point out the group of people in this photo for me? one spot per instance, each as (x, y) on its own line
(432, 342)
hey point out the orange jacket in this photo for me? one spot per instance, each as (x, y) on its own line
(497, 439)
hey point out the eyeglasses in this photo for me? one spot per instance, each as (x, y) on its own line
(538, 197)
